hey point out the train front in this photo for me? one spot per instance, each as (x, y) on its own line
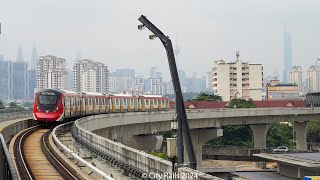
(48, 106)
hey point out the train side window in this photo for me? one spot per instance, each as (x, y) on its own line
(155, 102)
(147, 102)
(117, 102)
(124, 101)
(131, 101)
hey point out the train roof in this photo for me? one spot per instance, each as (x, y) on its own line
(152, 96)
(122, 95)
(93, 93)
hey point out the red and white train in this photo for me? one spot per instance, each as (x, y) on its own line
(57, 105)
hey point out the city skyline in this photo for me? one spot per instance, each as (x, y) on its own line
(207, 31)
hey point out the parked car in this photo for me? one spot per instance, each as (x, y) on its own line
(280, 149)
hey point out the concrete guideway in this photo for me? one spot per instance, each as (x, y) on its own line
(295, 165)
(127, 156)
(204, 124)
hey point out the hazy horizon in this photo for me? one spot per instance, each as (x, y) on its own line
(204, 30)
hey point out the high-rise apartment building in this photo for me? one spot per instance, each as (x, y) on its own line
(287, 55)
(51, 73)
(295, 76)
(237, 80)
(313, 78)
(90, 76)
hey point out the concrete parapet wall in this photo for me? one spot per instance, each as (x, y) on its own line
(11, 128)
(139, 159)
(191, 174)
(11, 114)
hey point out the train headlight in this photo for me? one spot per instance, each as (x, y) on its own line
(56, 109)
(38, 108)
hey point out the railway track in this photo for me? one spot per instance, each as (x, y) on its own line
(34, 158)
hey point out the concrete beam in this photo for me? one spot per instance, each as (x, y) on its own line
(260, 132)
(301, 135)
(199, 137)
(143, 142)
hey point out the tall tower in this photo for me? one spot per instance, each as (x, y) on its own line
(34, 58)
(19, 54)
(287, 54)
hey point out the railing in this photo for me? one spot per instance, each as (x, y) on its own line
(7, 171)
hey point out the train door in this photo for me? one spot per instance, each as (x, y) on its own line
(113, 104)
(121, 104)
(125, 104)
(143, 104)
(136, 104)
(156, 107)
(107, 100)
(147, 104)
(151, 104)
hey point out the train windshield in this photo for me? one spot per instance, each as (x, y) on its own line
(48, 98)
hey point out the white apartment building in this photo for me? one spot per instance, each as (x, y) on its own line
(90, 76)
(237, 80)
(295, 76)
(313, 78)
(51, 73)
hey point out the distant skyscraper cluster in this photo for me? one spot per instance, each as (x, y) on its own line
(51, 73)
(90, 76)
(17, 81)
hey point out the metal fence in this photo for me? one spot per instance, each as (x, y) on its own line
(7, 170)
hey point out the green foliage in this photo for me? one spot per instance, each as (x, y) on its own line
(186, 96)
(279, 135)
(238, 135)
(28, 105)
(207, 97)
(313, 134)
(241, 103)
(13, 105)
(159, 154)
(2, 105)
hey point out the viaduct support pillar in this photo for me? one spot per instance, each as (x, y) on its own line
(260, 135)
(199, 137)
(301, 135)
(260, 139)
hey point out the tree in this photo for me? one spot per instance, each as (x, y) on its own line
(279, 135)
(238, 135)
(2, 105)
(313, 134)
(28, 105)
(207, 97)
(13, 105)
(241, 103)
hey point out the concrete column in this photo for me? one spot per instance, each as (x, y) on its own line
(301, 135)
(143, 142)
(199, 137)
(260, 135)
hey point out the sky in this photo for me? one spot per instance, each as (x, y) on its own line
(204, 30)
